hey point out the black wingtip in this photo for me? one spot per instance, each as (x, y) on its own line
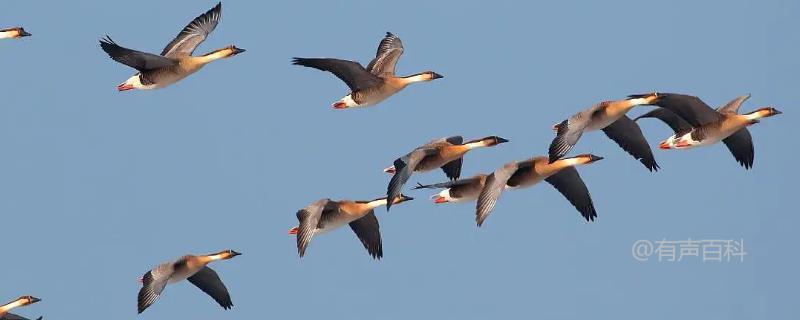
(589, 213)
(652, 166)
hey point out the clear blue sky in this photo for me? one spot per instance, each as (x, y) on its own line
(97, 186)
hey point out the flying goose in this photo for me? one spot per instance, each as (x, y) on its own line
(696, 124)
(375, 83)
(445, 153)
(610, 117)
(19, 302)
(456, 190)
(189, 267)
(15, 32)
(561, 174)
(176, 61)
(325, 215)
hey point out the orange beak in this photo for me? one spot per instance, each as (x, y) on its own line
(124, 87)
(664, 145)
(390, 170)
(340, 105)
(440, 200)
(293, 230)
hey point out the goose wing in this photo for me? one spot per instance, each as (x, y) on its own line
(153, 283)
(569, 131)
(670, 118)
(194, 33)
(352, 73)
(404, 167)
(389, 51)
(207, 280)
(627, 134)
(138, 60)
(309, 218)
(448, 184)
(732, 107)
(569, 183)
(368, 231)
(494, 186)
(690, 108)
(740, 145)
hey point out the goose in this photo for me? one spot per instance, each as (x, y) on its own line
(15, 32)
(696, 124)
(561, 174)
(445, 153)
(176, 61)
(371, 85)
(610, 117)
(325, 215)
(189, 267)
(456, 190)
(5, 310)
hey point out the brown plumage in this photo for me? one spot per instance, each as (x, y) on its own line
(5, 310)
(560, 173)
(325, 215)
(371, 85)
(176, 61)
(610, 117)
(697, 124)
(445, 153)
(189, 267)
(12, 33)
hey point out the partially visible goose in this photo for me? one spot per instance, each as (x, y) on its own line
(5, 310)
(371, 85)
(696, 124)
(445, 153)
(325, 215)
(15, 32)
(176, 61)
(610, 117)
(561, 174)
(456, 190)
(189, 267)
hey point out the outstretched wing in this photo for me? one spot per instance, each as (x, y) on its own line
(389, 51)
(153, 283)
(448, 184)
(494, 186)
(732, 107)
(207, 280)
(569, 183)
(690, 108)
(309, 218)
(138, 60)
(404, 167)
(627, 134)
(368, 231)
(352, 73)
(194, 33)
(741, 146)
(569, 131)
(670, 118)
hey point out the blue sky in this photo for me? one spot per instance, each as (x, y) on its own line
(98, 186)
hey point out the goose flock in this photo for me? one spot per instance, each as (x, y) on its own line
(694, 123)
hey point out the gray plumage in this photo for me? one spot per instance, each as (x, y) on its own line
(194, 33)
